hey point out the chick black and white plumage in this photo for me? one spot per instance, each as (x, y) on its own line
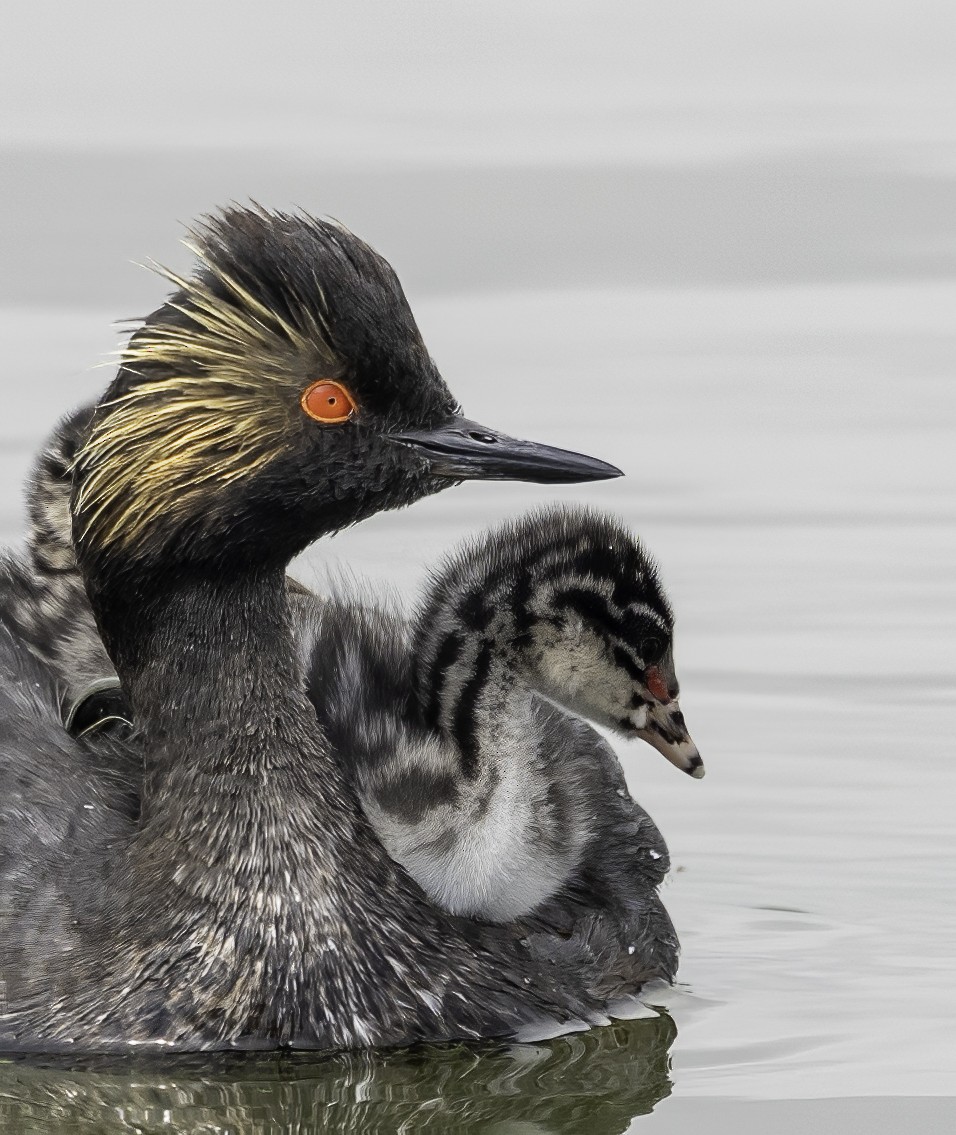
(501, 805)
(237, 896)
(43, 600)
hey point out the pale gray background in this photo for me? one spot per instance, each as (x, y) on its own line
(714, 243)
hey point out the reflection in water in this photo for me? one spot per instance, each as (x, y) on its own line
(595, 1082)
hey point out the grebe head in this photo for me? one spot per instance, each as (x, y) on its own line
(282, 392)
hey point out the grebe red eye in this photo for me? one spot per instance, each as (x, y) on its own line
(328, 402)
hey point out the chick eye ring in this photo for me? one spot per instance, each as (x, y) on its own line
(327, 402)
(654, 682)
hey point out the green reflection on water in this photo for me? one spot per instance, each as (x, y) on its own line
(595, 1082)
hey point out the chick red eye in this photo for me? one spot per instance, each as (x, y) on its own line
(328, 402)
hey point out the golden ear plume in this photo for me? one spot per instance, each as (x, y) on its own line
(212, 397)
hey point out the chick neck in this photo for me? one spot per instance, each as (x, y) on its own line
(510, 816)
(474, 685)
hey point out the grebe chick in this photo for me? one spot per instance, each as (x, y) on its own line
(282, 393)
(486, 794)
(43, 600)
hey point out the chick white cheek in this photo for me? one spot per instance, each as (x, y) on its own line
(576, 670)
(638, 717)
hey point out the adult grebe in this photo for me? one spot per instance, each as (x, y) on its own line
(281, 394)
